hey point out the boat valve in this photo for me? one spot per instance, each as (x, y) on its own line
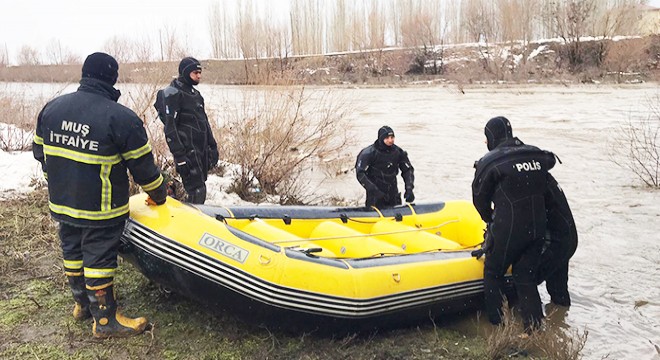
(264, 260)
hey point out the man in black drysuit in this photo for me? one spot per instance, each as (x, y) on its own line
(561, 243)
(512, 177)
(86, 142)
(378, 165)
(187, 131)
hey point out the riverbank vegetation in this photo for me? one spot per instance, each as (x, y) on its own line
(36, 320)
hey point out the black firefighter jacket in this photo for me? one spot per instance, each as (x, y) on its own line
(85, 142)
(513, 178)
(187, 131)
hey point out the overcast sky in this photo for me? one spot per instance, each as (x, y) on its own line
(84, 25)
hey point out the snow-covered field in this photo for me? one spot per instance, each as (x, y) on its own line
(616, 270)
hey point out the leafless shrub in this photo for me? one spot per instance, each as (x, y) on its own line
(636, 145)
(276, 134)
(140, 98)
(19, 114)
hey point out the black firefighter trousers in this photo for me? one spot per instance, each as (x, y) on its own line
(92, 251)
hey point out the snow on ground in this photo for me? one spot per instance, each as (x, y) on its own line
(20, 172)
(17, 171)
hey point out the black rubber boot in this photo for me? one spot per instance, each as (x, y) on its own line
(81, 308)
(108, 322)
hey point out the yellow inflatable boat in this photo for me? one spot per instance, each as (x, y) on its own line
(326, 267)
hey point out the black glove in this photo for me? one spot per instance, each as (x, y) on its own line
(409, 196)
(477, 253)
(159, 194)
(214, 156)
(182, 167)
(487, 245)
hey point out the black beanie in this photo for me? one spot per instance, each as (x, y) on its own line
(101, 66)
(188, 65)
(497, 130)
(384, 132)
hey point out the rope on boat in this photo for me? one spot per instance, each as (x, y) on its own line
(367, 235)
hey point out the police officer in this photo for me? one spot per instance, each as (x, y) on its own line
(378, 165)
(508, 192)
(86, 142)
(187, 131)
(561, 243)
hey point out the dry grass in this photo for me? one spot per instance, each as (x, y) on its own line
(550, 342)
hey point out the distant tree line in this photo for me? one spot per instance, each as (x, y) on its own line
(326, 26)
(250, 29)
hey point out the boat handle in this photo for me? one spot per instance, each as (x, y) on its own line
(396, 277)
(263, 260)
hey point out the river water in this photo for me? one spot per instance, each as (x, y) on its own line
(615, 273)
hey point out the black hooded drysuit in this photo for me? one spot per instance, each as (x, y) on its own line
(376, 168)
(508, 192)
(187, 131)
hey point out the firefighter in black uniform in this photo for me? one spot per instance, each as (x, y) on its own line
(561, 243)
(187, 131)
(378, 165)
(508, 192)
(86, 142)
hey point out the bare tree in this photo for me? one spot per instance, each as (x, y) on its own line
(223, 27)
(170, 44)
(612, 19)
(480, 20)
(339, 15)
(119, 47)
(142, 49)
(28, 55)
(516, 21)
(4, 56)
(452, 19)
(58, 54)
(483, 20)
(308, 26)
(422, 31)
(572, 20)
(376, 24)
